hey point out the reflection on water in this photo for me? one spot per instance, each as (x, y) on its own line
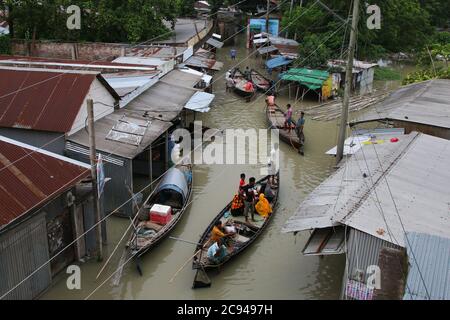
(273, 267)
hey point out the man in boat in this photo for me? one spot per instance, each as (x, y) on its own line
(270, 100)
(218, 232)
(288, 123)
(269, 191)
(217, 252)
(249, 199)
(229, 80)
(247, 74)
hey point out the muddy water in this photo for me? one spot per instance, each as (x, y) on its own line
(273, 267)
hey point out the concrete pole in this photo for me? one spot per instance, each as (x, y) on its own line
(348, 84)
(93, 158)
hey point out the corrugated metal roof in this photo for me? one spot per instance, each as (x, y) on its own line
(103, 66)
(426, 102)
(268, 49)
(416, 169)
(104, 126)
(431, 255)
(48, 101)
(163, 100)
(215, 43)
(357, 65)
(162, 52)
(28, 179)
(182, 79)
(202, 62)
(200, 102)
(278, 62)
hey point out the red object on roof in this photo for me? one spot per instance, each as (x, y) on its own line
(393, 140)
(33, 179)
(39, 100)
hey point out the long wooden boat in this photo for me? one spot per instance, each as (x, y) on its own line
(260, 82)
(174, 190)
(276, 119)
(240, 83)
(247, 233)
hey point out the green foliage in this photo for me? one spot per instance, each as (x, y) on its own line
(405, 26)
(428, 74)
(102, 20)
(185, 7)
(313, 53)
(386, 74)
(5, 44)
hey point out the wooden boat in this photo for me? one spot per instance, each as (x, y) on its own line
(260, 82)
(247, 233)
(276, 118)
(174, 190)
(240, 83)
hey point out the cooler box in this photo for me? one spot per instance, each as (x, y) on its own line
(161, 214)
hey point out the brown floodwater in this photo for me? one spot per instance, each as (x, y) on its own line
(273, 267)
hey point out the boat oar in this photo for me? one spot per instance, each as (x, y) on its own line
(185, 241)
(190, 259)
(184, 265)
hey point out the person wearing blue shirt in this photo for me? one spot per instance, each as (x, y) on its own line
(217, 252)
(299, 130)
(233, 54)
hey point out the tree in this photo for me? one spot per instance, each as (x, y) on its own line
(102, 20)
(313, 53)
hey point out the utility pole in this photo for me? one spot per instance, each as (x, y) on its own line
(267, 16)
(93, 158)
(348, 84)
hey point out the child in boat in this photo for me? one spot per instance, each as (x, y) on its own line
(242, 182)
(288, 123)
(263, 207)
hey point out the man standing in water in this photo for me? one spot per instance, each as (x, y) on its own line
(299, 131)
(233, 54)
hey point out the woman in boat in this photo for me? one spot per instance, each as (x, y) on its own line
(237, 206)
(263, 207)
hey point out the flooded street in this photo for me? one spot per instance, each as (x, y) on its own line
(273, 267)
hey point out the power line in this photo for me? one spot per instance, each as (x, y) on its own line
(103, 219)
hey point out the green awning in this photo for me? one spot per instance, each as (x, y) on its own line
(313, 79)
(319, 74)
(311, 83)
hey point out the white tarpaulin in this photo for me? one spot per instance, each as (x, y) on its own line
(200, 102)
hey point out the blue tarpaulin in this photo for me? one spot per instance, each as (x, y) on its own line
(278, 62)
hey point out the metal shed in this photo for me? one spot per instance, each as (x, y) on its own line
(423, 107)
(383, 190)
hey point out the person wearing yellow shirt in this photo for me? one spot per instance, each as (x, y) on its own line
(218, 232)
(263, 207)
